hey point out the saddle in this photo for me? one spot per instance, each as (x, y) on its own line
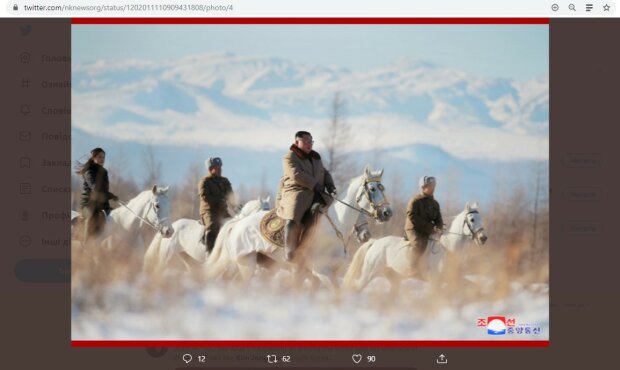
(272, 226)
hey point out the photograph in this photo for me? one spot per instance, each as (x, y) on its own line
(254, 182)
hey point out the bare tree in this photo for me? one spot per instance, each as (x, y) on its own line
(336, 139)
(451, 203)
(377, 149)
(152, 166)
(540, 208)
(264, 190)
(186, 201)
(242, 192)
(398, 197)
(122, 183)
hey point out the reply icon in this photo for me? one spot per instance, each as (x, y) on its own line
(187, 358)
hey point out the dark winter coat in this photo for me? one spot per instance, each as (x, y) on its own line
(423, 215)
(215, 193)
(96, 193)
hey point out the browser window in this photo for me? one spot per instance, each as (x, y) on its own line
(244, 184)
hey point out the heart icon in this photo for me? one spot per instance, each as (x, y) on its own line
(357, 358)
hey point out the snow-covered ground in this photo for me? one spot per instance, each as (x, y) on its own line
(268, 310)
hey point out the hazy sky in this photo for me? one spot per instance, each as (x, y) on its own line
(508, 51)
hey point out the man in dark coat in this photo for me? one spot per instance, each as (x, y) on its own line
(304, 182)
(216, 196)
(423, 218)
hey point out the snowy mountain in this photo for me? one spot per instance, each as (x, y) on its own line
(421, 117)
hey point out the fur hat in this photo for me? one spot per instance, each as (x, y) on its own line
(213, 162)
(426, 180)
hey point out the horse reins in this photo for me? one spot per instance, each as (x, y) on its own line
(355, 227)
(158, 229)
(360, 210)
(473, 233)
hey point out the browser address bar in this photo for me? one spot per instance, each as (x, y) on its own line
(307, 8)
(124, 9)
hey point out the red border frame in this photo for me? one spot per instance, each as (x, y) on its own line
(301, 20)
(309, 343)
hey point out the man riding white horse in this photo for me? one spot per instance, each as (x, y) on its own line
(216, 197)
(304, 183)
(423, 218)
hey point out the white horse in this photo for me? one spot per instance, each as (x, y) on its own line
(149, 211)
(322, 252)
(393, 257)
(185, 248)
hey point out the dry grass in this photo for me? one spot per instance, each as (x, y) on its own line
(513, 254)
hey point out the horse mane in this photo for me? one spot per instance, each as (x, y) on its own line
(373, 175)
(469, 207)
(354, 182)
(143, 194)
(163, 191)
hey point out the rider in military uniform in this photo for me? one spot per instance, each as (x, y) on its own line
(423, 218)
(304, 183)
(216, 196)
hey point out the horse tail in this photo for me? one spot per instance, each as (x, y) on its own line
(217, 265)
(355, 268)
(217, 262)
(152, 255)
(219, 242)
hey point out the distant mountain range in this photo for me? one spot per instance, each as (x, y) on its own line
(411, 117)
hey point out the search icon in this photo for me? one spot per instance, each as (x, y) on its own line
(572, 7)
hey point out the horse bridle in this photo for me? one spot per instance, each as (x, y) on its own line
(473, 233)
(365, 212)
(375, 207)
(471, 236)
(157, 225)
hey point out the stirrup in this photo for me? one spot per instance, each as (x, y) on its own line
(317, 207)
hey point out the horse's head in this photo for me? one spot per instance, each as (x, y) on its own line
(472, 226)
(159, 211)
(265, 203)
(253, 206)
(372, 194)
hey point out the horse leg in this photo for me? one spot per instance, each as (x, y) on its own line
(265, 266)
(247, 266)
(327, 280)
(373, 264)
(150, 265)
(87, 235)
(365, 278)
(395, 280)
